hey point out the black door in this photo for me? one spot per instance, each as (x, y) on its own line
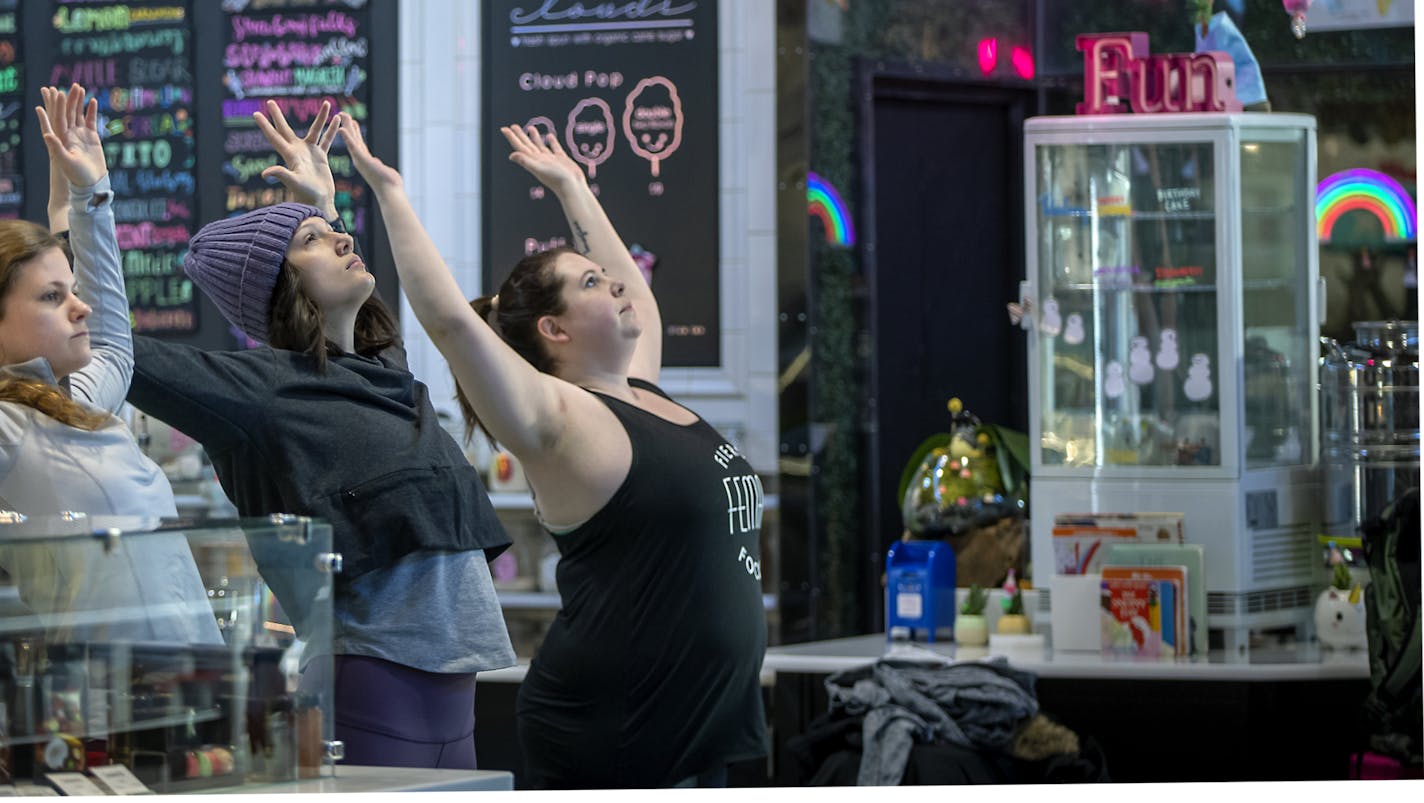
(943, 185)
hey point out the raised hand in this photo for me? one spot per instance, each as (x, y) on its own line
(71, 134)
(376, 172)
(543, 157)
(307, 173)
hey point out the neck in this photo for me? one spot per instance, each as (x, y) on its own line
(607, 382)
(340, 328)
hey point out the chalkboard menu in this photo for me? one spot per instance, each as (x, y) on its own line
(12, 110)
(176, 83)
(136, 60)
(630, 89)
(297, 53)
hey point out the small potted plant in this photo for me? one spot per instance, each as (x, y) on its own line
(1013, 622)
(1340, 609)
(971, 628)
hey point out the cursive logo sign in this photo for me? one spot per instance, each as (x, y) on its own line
(556, 11)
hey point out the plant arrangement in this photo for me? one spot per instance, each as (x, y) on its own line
(969, 477)
(971, 628)
(1013, 621)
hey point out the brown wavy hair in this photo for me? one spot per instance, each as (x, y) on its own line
(532, 291)
(295, 323)
(21, 242)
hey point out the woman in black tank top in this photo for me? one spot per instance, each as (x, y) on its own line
(649, 675)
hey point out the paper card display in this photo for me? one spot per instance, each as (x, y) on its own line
(116, 779)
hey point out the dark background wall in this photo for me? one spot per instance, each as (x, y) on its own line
(860, 376)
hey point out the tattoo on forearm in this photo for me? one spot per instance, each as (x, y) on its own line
(580, 238)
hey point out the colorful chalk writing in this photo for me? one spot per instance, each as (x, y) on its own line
(135, 59)
(12, 109)
(296, 53)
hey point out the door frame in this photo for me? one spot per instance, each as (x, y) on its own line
(877, 79)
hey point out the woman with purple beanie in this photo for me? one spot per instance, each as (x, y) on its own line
(324, 420)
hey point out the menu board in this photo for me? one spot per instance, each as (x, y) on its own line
(136, 59)
(630, 90)
(12, 110)
(297, 53)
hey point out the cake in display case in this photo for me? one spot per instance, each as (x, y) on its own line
(162, 652)
(1172, 275)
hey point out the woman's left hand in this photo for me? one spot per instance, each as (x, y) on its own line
(71, 134)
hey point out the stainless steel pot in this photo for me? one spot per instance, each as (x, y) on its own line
(1369, 415)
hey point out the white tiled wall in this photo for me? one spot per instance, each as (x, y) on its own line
(439, 157)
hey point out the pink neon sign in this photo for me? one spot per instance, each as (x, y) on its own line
(1120, 75)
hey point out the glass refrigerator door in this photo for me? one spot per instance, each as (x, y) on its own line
(1127, 330)
(1276, 315)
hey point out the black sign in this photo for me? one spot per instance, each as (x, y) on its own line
(136, 60)
(297, 53)
(12, 109)
(630, 89)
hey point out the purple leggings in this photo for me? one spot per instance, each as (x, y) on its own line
(392, 715)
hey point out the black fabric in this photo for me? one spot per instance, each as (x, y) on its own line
(1394, 710)
(650, 671)
(829, 751)
(358, 446)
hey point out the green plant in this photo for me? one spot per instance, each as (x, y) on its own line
(1340, 578)
(1013, 603)
(976, 600)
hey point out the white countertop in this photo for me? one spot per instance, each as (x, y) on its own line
(353, 778)
(1273, 663)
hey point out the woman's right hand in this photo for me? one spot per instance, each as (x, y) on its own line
(377, 173)
(307, 174)
(544, 158)
(70, 129)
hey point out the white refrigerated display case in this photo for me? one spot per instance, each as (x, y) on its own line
(1172, 270)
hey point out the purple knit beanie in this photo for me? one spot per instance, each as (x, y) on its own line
(235, 261)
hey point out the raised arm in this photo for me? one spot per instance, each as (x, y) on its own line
(593, 235)
(68, 123)
(521, 406)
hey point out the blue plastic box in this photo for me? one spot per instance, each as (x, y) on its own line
(919, 589)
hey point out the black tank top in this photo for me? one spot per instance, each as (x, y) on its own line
(651, 670)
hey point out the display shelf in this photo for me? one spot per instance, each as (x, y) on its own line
(1253, 285)
(171, 721)
(1152, 216)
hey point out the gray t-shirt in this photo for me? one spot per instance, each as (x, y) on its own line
(389, 614)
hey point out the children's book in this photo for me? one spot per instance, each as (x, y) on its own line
(1079, 548)
(1192, 556)
(1081, 540)
(1142, 613)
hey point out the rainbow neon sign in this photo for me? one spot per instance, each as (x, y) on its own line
(1365, 190)
(826, 204)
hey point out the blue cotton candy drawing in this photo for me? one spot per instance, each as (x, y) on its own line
(1222, 35)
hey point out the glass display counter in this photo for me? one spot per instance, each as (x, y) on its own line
(1172, 272)
(167, 650)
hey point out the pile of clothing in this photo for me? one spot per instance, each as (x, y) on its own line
(896, 722)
